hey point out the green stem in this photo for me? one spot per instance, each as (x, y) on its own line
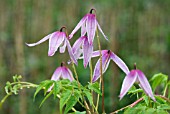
(164, 93)
(91, 77)
(86, 105)
(28, 83)
(71, 108)
(101, 76)
(3, 100)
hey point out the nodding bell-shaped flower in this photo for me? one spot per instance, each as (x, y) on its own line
(136, 76)
(57, 40)
(107, 55)
(62, 72)
(82, 46)
(88, 24)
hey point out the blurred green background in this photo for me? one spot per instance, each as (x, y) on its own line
(138, 31)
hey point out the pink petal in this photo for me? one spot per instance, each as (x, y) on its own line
(101, 31)
(78, 43)
(70, 52)
(87, 52)
(91, 27)
(78, 26)
(41, 41)
(119, 62)
(63, 48)
(67, 74)
(97, 53)
(128, 82)
(83, 29)
(56, 75)
(96, 74)
(105, 63)
(78, 53)
(145, 84)
(55, 41)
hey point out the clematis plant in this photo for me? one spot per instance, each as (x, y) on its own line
(57, 40)
(89, 25)
(70, 91)
(136, 76)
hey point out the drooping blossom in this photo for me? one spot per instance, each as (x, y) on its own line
(57, 40)
(88, 24)
(62, 72)
(136, 76)
(107, 55)
(82, 46)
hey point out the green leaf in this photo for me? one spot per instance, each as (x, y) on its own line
(135, 91)
(95, 87)
(65, 96)
(43, 85)
(89, 96)
(158, 79)
(164, 107)
(47, 96)
(146, 99)
(56, 88)
(65, 81)
(71, 102)
(160, 100)
(168, 86)
(150, 111)
(136, 110)
(161, 112)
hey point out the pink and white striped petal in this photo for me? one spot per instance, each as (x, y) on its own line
(119, 62)
(39, 42)
(145, 84)
(127, 83)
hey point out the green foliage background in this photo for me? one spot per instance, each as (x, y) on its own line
(138, 31)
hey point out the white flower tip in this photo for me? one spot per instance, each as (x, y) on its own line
(153, 98)
(93, 80)
(30, 45)
(106, 38)
(50, 53)
(85, 65)
(70, 36)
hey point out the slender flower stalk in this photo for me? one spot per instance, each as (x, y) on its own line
(101, 76)
(136, 76)
(107, 55)
(57, 40)
(89, 25)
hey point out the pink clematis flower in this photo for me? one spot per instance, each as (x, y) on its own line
(136, 76)
(86, 49)
(61, 72)
(107, 55)
(57, 40)
(88, 24)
